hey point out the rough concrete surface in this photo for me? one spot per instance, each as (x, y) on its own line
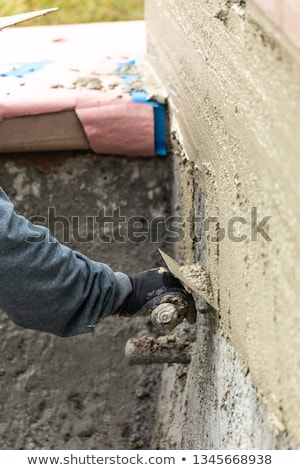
(233, 86)
(212, 404)
(80, 392)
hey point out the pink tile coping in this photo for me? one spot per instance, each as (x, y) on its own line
(272, 9)
(290, 20)
(285, 14)
(59, 70)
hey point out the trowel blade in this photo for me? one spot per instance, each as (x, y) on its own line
(204, 291)
(6, 21)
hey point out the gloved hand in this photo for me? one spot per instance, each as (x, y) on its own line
(151, 288)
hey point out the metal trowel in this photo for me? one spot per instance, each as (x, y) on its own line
(174, 309)
(193, 277)
(6, 21)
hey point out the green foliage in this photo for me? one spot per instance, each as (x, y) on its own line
(76, 11)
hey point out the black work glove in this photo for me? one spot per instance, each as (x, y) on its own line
(151, 288)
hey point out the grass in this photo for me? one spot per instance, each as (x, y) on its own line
(76, 11)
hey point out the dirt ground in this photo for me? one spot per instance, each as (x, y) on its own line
(80, 392)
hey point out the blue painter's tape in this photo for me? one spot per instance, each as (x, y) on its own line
(160, 130)
(139, 96)
(122, 66)
(25, 69)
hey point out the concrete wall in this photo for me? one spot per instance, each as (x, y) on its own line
(233, 83)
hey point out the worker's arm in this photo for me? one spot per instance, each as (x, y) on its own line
(46, 286)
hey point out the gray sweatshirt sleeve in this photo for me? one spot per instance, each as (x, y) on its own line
(46, 286)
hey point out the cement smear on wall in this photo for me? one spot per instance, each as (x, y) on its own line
(233, 85)
(80, 392)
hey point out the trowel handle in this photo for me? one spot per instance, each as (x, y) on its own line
(167, 316)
